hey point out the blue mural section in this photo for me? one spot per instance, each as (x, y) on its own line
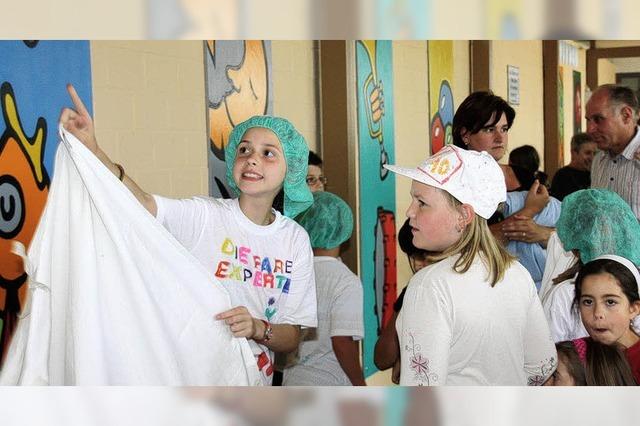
(33, 79)
(38, 72)
(374, 67)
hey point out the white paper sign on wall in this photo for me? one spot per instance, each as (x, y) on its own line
(513, 84)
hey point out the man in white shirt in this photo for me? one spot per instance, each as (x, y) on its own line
(612, 116)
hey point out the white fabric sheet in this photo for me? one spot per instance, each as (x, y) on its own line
(114, 299)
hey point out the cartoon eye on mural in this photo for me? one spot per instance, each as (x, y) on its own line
(33, 76)
(24, 186)
(239, 85)
(441, 108)
(372, 90)
(374, 64)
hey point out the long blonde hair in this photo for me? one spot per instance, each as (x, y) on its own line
(477, 239)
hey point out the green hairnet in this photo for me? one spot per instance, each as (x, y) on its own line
(597, 222)
(329, 222)
(297, 196)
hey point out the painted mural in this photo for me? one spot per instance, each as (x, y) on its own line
(238, 87)
(577, 102)
(440, 94)
(403, 19)
(561, 114)
(374, 77)
(33, 78)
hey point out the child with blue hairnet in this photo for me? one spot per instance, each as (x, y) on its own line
(593, 222)
(261, 256)
(329, 356)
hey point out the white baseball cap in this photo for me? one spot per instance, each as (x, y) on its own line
(471, 177)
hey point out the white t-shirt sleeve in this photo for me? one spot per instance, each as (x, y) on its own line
(564, 320)
(425, 332)
(540, 358)
(301, 306)
(346, 309)
(184, 219)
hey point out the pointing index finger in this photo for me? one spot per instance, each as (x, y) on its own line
(77, 102)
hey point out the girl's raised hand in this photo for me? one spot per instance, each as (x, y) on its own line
(78, 122)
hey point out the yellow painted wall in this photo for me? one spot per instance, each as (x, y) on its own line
(568, 101)
(606, 72)
(528, 127)
(461, 74)
(149, 107)
(294, 83)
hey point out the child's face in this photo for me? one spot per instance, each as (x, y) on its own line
(432, 218)
(260, 165)
(606, 311)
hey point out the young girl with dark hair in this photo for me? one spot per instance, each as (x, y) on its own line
(608, 301)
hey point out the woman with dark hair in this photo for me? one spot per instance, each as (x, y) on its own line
(482, 123)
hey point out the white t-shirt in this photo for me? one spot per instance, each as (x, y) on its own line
(564, 320)
(113, 298)
(558, 261)
(268, 269)
(456, 329)
(339, 293)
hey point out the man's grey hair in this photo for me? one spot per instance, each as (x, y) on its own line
(622, 96)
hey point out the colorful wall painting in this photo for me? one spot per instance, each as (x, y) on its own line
(239, 86)
(374, 87)
(440, 94)
(33, 79)
(577, 102)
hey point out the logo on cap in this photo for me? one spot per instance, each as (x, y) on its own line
(443, 165)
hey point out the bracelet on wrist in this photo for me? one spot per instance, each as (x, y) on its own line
(268, 331)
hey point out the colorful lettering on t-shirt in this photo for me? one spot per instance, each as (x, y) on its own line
(244, 266)
(271, 309)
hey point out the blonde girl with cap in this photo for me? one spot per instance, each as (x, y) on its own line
(473, 317)
(261, 256)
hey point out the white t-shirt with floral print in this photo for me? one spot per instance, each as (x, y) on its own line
(456, 329)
